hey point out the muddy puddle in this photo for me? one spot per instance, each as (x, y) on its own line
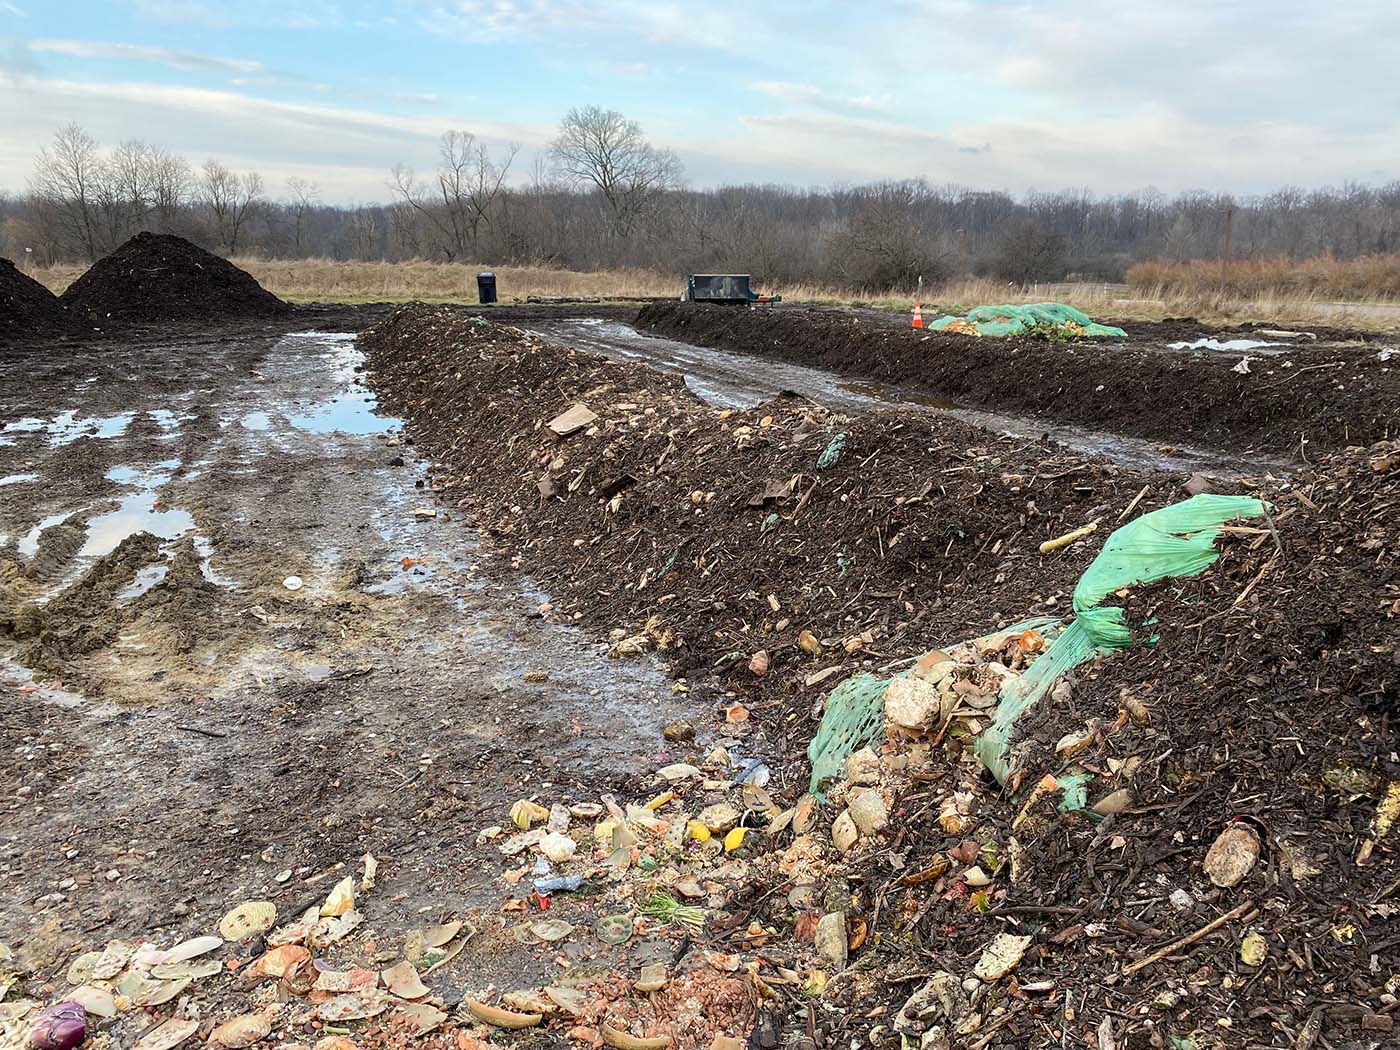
(738, 381)
(173, 712)
(67, 427)
(304, 409)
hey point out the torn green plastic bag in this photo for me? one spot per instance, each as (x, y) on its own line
(855, 712)
(1175, 541)
(1000, 321)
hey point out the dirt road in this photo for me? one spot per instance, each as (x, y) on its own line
(206, 734)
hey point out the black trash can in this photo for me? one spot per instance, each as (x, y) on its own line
(485, 288)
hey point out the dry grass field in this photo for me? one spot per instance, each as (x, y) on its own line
(1268, 292)
(1368, 279)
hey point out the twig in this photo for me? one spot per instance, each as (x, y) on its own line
(802, 503)
(202, 731)
(1312, 1028)
(991, 1029)
(1272, 527)
(1295, 375)
(1136, 500)
(1190, 938)
(1239, 598)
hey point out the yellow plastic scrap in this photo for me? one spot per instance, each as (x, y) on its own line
(698, 831)
(660, 800)
(734, 839)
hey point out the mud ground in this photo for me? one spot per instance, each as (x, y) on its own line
(192, 728)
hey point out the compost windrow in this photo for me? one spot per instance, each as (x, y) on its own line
(1298, 400)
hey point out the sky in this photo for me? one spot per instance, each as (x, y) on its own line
(1238, 96)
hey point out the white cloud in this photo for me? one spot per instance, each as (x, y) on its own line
(719, 25)
(348, 151)
(811, 95)
(1222, 63)
(1150, 146)
(1109, 94)
(176, 59)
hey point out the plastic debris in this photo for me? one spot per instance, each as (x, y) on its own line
(341, 898)
(524, 813)
(558, 848)
(831, 455)
(558, 884)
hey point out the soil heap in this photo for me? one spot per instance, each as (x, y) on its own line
(1231, 885)
(27, 308)
(160, 277)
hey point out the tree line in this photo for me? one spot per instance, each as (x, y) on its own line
(601, 196)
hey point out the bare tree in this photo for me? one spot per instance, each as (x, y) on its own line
(128, 191)
(364, 233)
(1031, 252)
(468, 183)
(170, 183)
(230, 199)
(890, 240)
(602, 148)
(305, 196)
(598, 205)
(66, 187)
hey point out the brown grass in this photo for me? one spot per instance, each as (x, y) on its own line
(325, 280)
(1369, 279)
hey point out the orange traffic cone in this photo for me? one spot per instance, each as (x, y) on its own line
(918, 317)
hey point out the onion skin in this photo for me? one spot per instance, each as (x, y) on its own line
(62, 1026)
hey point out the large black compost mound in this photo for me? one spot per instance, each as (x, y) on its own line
(160, 277)
(27, 309)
